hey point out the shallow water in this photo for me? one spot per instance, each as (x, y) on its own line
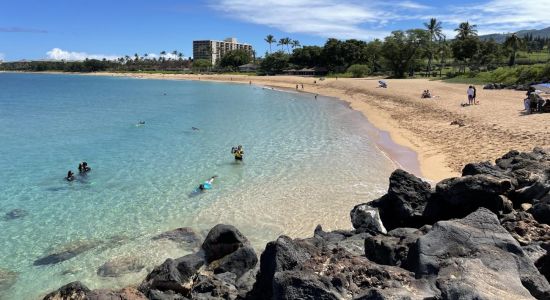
(307, 162)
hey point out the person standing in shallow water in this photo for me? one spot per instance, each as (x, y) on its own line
(238, 152)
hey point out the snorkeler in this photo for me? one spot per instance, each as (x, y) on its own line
(80, 168)
(70, 176)
(207, 184)
(238, 152)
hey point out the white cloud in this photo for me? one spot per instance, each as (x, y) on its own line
(376, 18)
(2, 56)
(326, 18)
(412, 5)
(59, 54)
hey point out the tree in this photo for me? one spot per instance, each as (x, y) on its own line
(434, 30)
(465, 49)
(401, 48)
(466, 30)
(235, 58)
(294, 44)
(514, 43)
(284, 42)
(274, 63)
(201, 65)
(358, 71)
(307, 56)
(270, 39)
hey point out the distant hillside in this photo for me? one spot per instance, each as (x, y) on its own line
(500, 37)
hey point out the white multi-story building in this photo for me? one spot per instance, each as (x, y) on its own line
(215, 50)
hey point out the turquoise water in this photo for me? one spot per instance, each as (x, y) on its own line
(307, 162)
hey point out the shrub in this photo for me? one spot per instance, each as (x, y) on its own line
(358, 71)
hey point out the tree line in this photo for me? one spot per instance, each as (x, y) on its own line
(403, 53)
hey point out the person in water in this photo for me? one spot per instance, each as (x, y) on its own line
(70, 176)
(85, 167)
(207, 184)
(80, 168)
(238, 152)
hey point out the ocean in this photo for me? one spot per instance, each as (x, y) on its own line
(306, 161)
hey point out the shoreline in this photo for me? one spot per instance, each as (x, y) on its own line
(496, 126)
(393, 142)
(395, 145)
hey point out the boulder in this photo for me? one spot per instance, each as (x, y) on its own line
(189, 265)
(73, 291)
(238, 262)
(280, 255)
(459, 196)
(525, 229)
(365, 218)
(543, 264)
(476, 256)
(184, 236)
(221, 241)
(15, 214)
(405, 201)
(119, 266)
(392, 249)
(167, 277)
(489, 86)
(7, 279)
(541, 211)
(164, 295)
(66, 253)
(212, 287)
(297, 285)
(124, 294)
(485, 168)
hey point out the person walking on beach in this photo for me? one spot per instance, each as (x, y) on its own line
(470, 93)
(296, 86)
(475, 93)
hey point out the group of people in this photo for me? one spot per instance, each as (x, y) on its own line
(534, 102)
(237, 152)
(83, 168)
(426, 94)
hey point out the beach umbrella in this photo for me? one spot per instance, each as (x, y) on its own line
(545, 87)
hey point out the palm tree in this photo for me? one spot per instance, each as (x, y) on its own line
(270, 39)
(295, 44)
(434, 29)
(514, 43)
(136, 57)
(284, 42)
(465, 30)
(180, 56)
(162, 54)
(145, 55)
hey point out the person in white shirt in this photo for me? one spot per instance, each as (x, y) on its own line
(471, 93)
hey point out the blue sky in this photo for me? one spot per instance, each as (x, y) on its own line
(39, 29)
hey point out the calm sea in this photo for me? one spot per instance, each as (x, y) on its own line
(307, 162)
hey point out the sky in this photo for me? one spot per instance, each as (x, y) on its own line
(76, 29)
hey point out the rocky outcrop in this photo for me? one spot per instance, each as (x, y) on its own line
(483, 235)
(404, 204)
(477, 254)
(226, 257)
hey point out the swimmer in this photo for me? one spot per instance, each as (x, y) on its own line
(80, 168)
(194, 128)
(85, 166)
(207, 184)
(70, 176)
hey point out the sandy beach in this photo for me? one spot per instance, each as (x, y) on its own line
(493, 127)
